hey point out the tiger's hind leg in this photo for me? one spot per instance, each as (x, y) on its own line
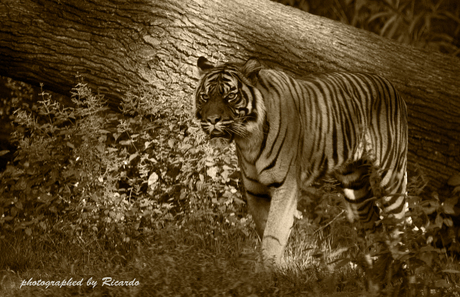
(393, 185)
(358, 192)
(359, 183)
(390, 187)
(364, 184)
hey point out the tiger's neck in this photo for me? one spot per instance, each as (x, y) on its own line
(250, 146)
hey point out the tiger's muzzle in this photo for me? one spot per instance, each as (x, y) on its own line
(216, 129)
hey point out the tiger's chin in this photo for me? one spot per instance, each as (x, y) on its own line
(219, 142)
(220, 138)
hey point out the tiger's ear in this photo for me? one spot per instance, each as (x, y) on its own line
(251, 70)
(203, 66)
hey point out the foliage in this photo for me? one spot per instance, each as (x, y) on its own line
(433, 24)
(425, 260)
(88, 186)
(94, 173)
(12, 95)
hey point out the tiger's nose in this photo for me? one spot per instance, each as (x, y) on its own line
(213, 119)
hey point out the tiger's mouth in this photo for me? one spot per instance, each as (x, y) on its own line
(220, 134)
(218, 130)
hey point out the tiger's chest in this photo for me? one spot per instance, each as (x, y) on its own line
(269, 169)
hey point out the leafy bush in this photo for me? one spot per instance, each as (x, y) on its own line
(426, 259)
(88, 171)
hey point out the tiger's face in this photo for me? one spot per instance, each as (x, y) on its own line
(226, 100)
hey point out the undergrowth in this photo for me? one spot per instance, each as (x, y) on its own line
(141, 195)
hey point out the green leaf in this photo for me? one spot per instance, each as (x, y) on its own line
(112, 149)
(4, 152)
(171, 143)
(42, 225)
(456, 190)
(126, 142)
(200, 185)
(19, 205)
(153, 178)
(441, 283)
(238, 200)
(427, 258)
(429, 206)
(449, 205)
(448, 222)
(101, 147)
(438, 221)
(212, 172)
(185, 147)
(225, 175)
(132, 157)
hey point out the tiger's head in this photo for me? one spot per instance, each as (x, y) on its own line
(227, 103)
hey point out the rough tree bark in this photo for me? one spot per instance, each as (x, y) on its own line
(116, 46)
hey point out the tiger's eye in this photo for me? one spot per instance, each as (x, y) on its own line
(204, 97)
(231, 96)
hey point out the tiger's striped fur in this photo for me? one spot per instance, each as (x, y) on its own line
(289, 132)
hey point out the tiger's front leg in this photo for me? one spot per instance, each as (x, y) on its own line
(280, 220)
(272, 210)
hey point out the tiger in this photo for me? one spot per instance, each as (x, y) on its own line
(289, 132)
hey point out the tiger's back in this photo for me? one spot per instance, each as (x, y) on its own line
(297, 130)
(332, 119)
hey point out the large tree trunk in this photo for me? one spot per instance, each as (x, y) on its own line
(116, 46)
